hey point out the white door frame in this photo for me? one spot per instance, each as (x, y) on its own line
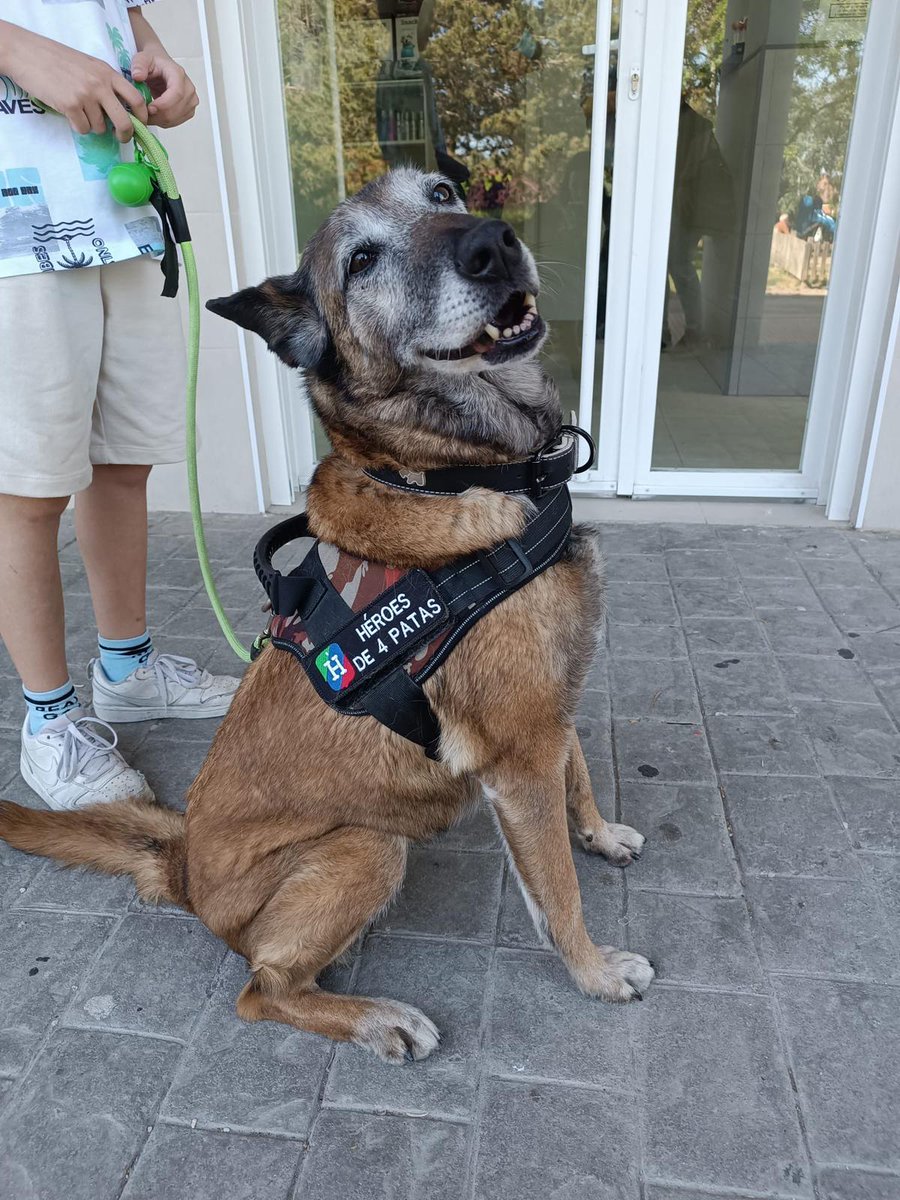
(651, 42)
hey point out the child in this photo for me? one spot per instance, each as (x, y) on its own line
(91, 390)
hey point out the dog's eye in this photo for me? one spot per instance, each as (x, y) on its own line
(442, 193)
(360, 260)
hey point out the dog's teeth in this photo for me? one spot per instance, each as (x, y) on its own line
(517, 329)
(493, 332)
(530, 301)
(507, 333)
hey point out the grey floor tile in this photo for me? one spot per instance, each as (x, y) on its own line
(593, 726)
(44, 957)
(861, 609)
(688, 848)
(821, 677)
(724, 635)
(646, 641)
(640, 603)
(700, 564)
(795, 632)
(822, 927)
(446, 981)
(263, 1076)
(16, 872)
(791, 595)
(57, 887)
(659, 687)
(724, 1116)
(602, 901)
(878, 651)
(662, 751)
(628, 538)
(820, 543)
(844, 1183)
(206, 1165)
(761, 745)
(171, 763)
(360, 1156)
(10, 745)
(883, 872)
(477, 830)
(684, 535)
(701, 940)
(871, 808)
(153, 976)
(671, 1191)
(838, 572)
(522, 1122)
(740, 685)
(636, 568)
(787, 826)
(542, 1025)
(844, 1041)
(886, 682)
(858, 740)
(81, 1115)
(448, 894)
(773, 561)
(711, 598)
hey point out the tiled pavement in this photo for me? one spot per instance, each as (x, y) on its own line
(744, 716)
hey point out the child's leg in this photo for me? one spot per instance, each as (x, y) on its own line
(111, 523)
(32, 622)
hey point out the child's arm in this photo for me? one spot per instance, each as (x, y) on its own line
(174, 98)
(84, 89)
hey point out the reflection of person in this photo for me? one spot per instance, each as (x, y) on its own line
(702, 203)
(825, 189)
(91, 388)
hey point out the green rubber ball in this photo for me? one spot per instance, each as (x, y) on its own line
(130, 183)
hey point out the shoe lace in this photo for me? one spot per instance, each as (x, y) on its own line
(85, 751)
(177, 669)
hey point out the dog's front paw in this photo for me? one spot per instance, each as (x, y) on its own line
(619, 844)
(397, 1032)
(618, 976)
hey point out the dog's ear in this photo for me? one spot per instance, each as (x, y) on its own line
(284, 314)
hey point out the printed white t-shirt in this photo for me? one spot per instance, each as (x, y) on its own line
(56, 212)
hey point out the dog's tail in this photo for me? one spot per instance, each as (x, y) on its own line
(126, 837)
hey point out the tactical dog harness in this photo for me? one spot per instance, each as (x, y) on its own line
(368, 635)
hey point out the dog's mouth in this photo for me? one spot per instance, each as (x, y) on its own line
(512, 330)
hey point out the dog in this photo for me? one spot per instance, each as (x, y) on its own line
(416, 326)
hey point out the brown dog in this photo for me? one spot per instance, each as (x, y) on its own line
(417, 328)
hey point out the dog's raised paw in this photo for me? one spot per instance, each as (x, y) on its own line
(397, 1032)
(619, 977)
(619, 844)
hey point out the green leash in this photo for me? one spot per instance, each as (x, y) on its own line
(152, 150)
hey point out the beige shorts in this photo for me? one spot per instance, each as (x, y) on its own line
(92, 370)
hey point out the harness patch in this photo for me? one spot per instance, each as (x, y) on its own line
(401, 619)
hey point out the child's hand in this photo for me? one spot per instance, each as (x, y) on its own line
(84, 89)
(174, 97)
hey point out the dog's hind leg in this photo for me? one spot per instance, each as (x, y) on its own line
(342, 881)
(620, 844)
(530, 802)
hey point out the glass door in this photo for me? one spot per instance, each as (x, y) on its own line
(500, 97)
(753, 104)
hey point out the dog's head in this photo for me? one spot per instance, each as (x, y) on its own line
(401, 273)
(401, 291)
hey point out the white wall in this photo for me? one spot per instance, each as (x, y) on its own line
(882, 509)
(226, 462)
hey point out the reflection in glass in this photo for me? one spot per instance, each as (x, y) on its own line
(764, 121)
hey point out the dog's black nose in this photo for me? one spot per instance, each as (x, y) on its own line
(488, 251)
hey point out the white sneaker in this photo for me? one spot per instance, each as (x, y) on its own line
(71, 763)
(166, 686)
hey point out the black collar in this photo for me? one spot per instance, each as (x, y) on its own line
(551, 467)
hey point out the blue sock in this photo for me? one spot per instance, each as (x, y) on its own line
(45, 706)
(119, 657)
